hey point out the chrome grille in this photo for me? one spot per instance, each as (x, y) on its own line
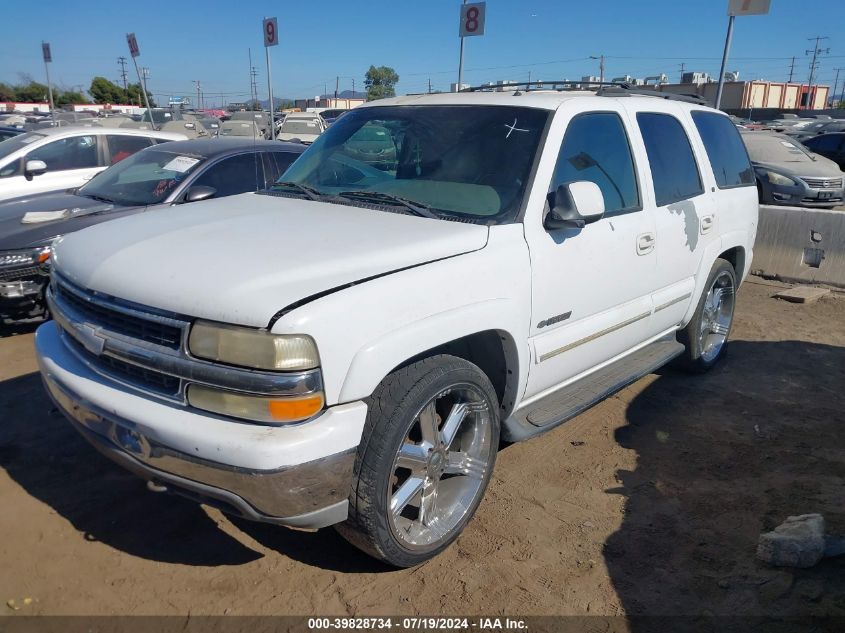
(120, 321)
(145, 379)
(823, 183)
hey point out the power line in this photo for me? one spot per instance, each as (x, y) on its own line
(814, 66)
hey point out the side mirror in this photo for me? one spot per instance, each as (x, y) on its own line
(574, 205)
(34, 168)
(200, 192)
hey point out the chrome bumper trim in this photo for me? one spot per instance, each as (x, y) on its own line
(283, 496)
(98, 340)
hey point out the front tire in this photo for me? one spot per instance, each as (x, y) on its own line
(706, 335)
(425, 459)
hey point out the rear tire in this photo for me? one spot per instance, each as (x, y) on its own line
(706, 335)
(425, 459)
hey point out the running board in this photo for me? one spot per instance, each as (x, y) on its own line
(566, 403)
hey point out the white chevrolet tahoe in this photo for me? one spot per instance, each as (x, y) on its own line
(351, 346)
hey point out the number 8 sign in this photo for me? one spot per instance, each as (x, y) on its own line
(271, 32)
(472, 19)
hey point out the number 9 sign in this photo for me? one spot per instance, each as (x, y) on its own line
(472, 19)
(271, 32)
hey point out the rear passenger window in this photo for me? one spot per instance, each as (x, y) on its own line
(596, 148)
(123, 146)
(725, 149)
(673, 168)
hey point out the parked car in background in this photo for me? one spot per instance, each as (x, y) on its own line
(787, 173)
(830, 146)
(163, 175)
(304, 127)
(233, 127)
(9, 132)
(63, 157)
(261, 120)
(331, 115)
(211, 124)
(814, 129)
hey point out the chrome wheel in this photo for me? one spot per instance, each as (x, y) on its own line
(440, 469)
(717, 316)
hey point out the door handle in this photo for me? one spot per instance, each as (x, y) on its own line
(706, 223)
(645, 243)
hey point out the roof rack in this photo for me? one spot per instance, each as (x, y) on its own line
(604, 89)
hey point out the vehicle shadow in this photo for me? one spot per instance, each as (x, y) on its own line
(43, 454)
(13, 329)
(721, 458)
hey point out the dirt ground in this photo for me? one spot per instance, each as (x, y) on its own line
(650, 503)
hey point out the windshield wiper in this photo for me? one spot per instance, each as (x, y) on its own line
(99, 198)
(312, 193)
(416, 208)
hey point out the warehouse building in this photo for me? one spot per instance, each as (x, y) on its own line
(756, 94)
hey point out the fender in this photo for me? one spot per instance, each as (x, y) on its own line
(380, 356)
(726, 242)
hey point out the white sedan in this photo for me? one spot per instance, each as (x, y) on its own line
(65, 157)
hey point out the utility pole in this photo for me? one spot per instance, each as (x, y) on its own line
(429, 85)
(199, 86)
(145, 72)
(791, 69)
(601, 67)
(682, 73)
(336, 86)
(816, 52)
(121, 61)
(835, 86)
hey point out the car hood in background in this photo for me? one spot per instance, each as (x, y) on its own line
(242, 259)
(821, 167)
(15, 234)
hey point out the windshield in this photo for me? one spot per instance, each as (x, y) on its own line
(12, 145)
(466, 161)
(765, 148)
(300, 126)
(147, 177)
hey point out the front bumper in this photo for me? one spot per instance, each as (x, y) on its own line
(802, 194)
(22, 295)
(298, 476)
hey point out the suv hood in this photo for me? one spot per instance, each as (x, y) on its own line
(243, 258)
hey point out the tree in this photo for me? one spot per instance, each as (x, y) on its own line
(33, 92)
(104, 91)
(134, 95)
(7, 92)
(380, 82)
(67, 97)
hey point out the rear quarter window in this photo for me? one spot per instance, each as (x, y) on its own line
(725, 149)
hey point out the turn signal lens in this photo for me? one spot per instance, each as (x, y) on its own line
(256, 408)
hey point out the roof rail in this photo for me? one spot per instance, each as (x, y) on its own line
(604, 89)
(626, 90)
(561, 85)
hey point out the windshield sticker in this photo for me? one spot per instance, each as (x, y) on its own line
(512, 128)
(181, 164)
(788, 144)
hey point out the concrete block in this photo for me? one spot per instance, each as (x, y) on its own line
(797, 542)
(803, 294)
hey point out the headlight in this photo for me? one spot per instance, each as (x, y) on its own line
(269, 409)
(779, 179)
(25, 257)
(253, 348)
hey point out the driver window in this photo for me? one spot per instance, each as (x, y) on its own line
(237, 174)
(75, 152)
(595, 148)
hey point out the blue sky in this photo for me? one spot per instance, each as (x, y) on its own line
(551, 39)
